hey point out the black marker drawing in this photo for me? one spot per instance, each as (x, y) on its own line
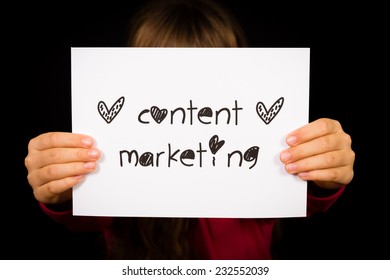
(171, 156)
(215, 145)
(109, 114)
(268, 115)
(157, 114)
(191, 114)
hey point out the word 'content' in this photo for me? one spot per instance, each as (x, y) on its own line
(204, 115)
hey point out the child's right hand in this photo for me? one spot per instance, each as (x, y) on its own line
(58, 161)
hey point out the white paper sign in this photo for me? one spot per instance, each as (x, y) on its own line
(190, 132)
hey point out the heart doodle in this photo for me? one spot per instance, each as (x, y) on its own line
(109, 114)
(215, 144)
(157, 114)
(268, 115)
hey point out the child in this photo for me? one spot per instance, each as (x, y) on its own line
(319, 152)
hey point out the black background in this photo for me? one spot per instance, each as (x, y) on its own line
(36, 99)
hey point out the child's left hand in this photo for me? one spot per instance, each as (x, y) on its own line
(320, 152)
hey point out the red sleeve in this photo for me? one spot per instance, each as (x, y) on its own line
(77, 223)
(322, 204)
(247, 238)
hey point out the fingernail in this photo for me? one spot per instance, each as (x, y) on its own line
(93, 154)
(79, 177)
(291, 140)
(291, 167)
(285, 156)
(89, 165)
(87, 141)
(304, 175)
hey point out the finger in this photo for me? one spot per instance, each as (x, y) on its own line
(329, 178)
(312, 130)
(319, 162)
(58, 140)
(56, 172)
(57, 191)
(313, 147)
(47, 157)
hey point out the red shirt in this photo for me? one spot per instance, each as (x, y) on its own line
(216, 238)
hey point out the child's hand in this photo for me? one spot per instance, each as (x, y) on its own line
(56, 162)
(321, 152)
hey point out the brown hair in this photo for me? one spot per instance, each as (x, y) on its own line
(171, 23)
(185, 23)
(151, 238)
